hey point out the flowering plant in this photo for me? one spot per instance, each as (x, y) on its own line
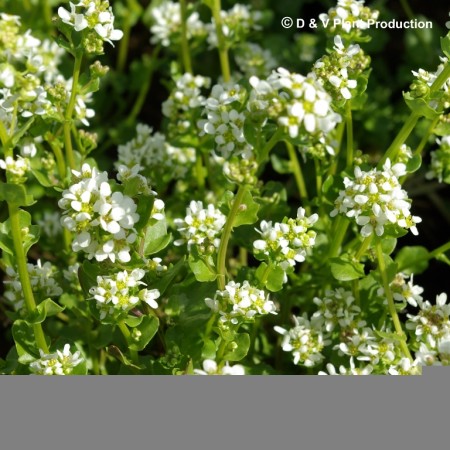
(188, 188)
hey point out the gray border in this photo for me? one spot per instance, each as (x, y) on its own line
(65, 413)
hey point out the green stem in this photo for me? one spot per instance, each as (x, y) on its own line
(438, 251)
(349, 123)
(222, 252)
(363, 248)
(221, 41)
(69, 110)
(5, 138)
(145, 87)
(390, 299)
(423, 142)
(47, 9)
(185, 52)
(124, 44)
(339, 136)
(269, 145)
(16, 232)
(318, 179)
(127, 335)
(221, 350)
(410, 123)
(200, 171)
(338, 236)
(298, 174)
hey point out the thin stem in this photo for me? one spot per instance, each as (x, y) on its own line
(410, 123)
(221, 350)
(339, 136)
(390, 299)
(349, 123)
(221, 41)
(423, 142)
(200, 171)
(4, 139)
(69, 110)
(185, 52)
(298, 174)
(363, 248)
(318, 179)
(47, 9)
(124, 44)
(145, 87)
(270, 144)
(16, 232)
(438, 251)
(127, 335)
(338, 236)
(222, 252)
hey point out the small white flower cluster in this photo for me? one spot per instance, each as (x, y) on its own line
(375, 199)
(352, 370)
(440, 161)
(404, 291)
(71, 275)
(336, 309)
(252, 59)
(210, 368)
(42, 279)
(237, 23)
(299, 104)
(101, 219)
(432, 322)
(425, 79)
(94, 15)
(201, 227)
(119, 293)
(166, 24)
(59, 363)
(332, 71)
(225, 116)
(285, 243)
(240, 302)
(405, 367)
(154, 156)
(349, 16)
(184, 100)
(305, 340)
(50, 224)
(16, 169)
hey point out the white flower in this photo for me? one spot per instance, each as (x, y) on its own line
(305, 340)
(405, 367)
(201, 227)
(119, 293)
(240, 302)
(353, 370)
(286, 243)
(210, 368)
(376, 199)
(94, 15)
(59, 363)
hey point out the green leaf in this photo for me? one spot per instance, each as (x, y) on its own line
(209, 349)
(238, 349)
(144, 332)
(156, 238)
(414, 164)
(388, 245)
(252, 133)
(87, 275)
(390, 336)
(445, 45)
(345, 268)
(166, 280)
(20, 133)
(45, 309)
(15, 194)
(202, 268)
(24, 339)
(412, 259)
(117, 353)
(32, 236)
(420, 106)
(280, 165)
(144, 207)
(133, 321)
(273, 281)
(42, 178)
(247, 212)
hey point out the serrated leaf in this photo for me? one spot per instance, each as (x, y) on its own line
(240, 347)
(46, 308)
(203, 269)
(24, 338)
(144, 333)
(420, 106)
(117, 353)
(156, 238)
(345, 269)
(412, 259)
(15, 194)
